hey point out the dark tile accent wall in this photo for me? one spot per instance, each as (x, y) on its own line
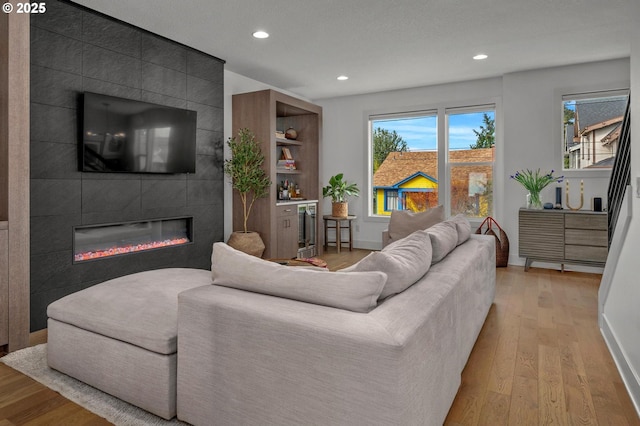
(74, 50)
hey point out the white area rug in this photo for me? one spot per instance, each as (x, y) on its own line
(33, 362)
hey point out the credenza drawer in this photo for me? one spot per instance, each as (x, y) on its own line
(585, 221)
(585, 253)
(582, 237)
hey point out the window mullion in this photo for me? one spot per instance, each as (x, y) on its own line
(443, 159)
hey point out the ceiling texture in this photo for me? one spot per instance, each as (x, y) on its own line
(384, 44)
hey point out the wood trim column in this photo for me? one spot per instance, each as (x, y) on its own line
(14, 141)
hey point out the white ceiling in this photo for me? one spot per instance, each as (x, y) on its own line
(384, 44)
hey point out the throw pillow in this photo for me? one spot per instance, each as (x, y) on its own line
(404, 222)
(463, 227)
(444, 238)
(357, 291)
(404, 261)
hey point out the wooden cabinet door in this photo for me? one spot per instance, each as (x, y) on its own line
(4, 286)
(287, 238)
(541, 235)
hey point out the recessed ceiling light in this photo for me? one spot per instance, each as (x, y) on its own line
(343, 77)
(480, 57)
(261, 34)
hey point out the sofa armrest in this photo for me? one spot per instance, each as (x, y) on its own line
(386, 239)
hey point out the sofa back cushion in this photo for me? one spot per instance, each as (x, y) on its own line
(404, 222)
(444, 238)
(404, 261)
(354, 291)
(462, 226)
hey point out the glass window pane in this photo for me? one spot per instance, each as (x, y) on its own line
(472, 190)
(405, 163)
(471, 137)
(591, 129)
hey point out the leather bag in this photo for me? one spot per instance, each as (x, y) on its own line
(502, 241)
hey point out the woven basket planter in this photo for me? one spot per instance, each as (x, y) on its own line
(247, 242)
(340, 209)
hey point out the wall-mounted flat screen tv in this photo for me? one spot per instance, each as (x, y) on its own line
(127, 136)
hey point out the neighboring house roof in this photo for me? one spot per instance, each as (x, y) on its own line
(408, 179)
(613, 135)
(607, 162)
(398, 167)
(593, 113)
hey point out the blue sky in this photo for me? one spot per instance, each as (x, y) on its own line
(421, 132)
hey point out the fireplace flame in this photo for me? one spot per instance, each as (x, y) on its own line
(113, 251)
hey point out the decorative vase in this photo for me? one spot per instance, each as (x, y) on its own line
(291, 133)
(340, 209)
(533, 200)
(247, 242)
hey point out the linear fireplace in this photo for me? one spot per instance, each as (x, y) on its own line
(114, 239)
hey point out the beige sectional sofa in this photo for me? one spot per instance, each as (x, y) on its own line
(254, 359)
(381, 343)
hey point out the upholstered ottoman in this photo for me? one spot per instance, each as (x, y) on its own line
(120, 336)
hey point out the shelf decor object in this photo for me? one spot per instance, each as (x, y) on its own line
(581, 196)
(339, 190)
(535, 182)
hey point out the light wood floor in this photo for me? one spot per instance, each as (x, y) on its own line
(539, 360)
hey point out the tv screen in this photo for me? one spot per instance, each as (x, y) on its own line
(123, 135)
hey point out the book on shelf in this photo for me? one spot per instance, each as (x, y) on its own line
(280, 134)
(286, 165)
(286, 153)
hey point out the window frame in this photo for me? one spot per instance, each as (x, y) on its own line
(450, 164)
(473, 105)
(582, 96)
(557, 130)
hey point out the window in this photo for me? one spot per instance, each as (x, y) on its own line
(404, 161)
(591, 124)
(471, 140)
(416, 165)
(391, 200)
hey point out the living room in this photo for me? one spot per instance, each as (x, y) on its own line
(527, 102)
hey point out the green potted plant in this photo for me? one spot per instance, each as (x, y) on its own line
(338, 189)
(248, 177)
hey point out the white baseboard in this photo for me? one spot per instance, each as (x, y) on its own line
(367, 245)
(519, 261)
(629, 376)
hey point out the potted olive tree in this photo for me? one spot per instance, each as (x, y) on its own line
(247, 176)
(338, 189)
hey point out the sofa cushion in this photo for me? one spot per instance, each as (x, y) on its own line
(140, 308)
(404, 261)
(462, 226)
(353, 291)
(404, 222)
(444, 238)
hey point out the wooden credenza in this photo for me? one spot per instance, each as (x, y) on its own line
(563, 236)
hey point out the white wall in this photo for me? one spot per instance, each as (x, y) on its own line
(528, 134)
(621, 316)
(345, 137)
(532, 126)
